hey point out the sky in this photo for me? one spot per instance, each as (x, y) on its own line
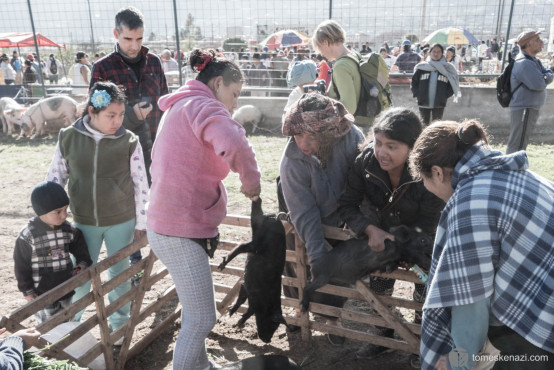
(69, 21)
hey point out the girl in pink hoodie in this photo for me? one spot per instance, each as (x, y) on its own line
(196, 146)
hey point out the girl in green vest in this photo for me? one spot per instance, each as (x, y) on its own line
(103, 165)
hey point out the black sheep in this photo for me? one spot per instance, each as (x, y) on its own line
(353, 259)
(262, 273)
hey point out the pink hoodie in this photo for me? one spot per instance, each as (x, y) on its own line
(196, 145)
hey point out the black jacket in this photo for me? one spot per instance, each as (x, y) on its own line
(420, 89)
(41, 256)
(369, 190)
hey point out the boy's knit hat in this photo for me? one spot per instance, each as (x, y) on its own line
(48, 196)
(301, 73)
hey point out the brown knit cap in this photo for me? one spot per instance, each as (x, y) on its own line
(525, 37)
(332, 121)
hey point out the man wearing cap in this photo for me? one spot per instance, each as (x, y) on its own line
(406, 61)
(38, 70)
(528, 80)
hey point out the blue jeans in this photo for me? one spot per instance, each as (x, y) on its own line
(116, 237)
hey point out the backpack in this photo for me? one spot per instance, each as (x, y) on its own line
(374, 74)
(504, 91)
(53, 67)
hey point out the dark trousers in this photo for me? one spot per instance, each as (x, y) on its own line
(508, 342)
(430, 115)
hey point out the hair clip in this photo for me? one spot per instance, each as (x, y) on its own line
(100, 99)
(459, 133)
(206, 58)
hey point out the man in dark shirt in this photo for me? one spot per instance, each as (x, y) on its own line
(406, 61)
(140, 73)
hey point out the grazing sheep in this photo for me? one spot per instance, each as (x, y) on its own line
(49, 109)
(353, 259)
(10, 113)
(262, 274)
(248, 116)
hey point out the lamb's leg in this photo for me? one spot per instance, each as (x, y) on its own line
(243, 248)
(240, 300)
(245, 317)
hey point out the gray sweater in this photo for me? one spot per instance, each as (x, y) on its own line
(312, 193)
(533, 78)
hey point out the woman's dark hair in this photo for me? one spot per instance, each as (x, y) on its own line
(79, 56)
(437, 46)
(400, 124)
(116, 93)
(452, 49)
(210, 66)
(443, 144)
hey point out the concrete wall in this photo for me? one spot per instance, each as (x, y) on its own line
(476, 102)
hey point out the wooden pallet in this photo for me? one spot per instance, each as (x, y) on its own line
(140, 311)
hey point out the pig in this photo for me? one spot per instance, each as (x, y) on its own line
(10, 114)
(53, 108)
(249, 116)
(262, 273)
(353, 259)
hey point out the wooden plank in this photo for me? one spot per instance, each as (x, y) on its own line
(153, 334)
(363, 336)
(98, 293)
(236, 220)
(228, 270)
(337, 233)
(135, 311)
(155, 306)
(49, 297)
(13, 326)
(384, 311)
(233, 293)
(302, 279)
(67, 314)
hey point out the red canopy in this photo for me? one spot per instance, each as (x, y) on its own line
(25, 39)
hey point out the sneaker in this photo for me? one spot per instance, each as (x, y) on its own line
(135, 280)
(369, 351)
(214, 365)
(336, 340)
(415, 363)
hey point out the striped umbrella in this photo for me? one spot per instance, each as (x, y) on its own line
(449, 35)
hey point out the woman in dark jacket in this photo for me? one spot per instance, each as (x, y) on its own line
(380, 194)
(433, 82)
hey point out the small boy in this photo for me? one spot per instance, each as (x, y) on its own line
(41, 253)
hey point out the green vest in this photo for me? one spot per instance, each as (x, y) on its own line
(101, 190)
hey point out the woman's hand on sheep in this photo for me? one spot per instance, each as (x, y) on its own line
(377, 238)
(253, 194)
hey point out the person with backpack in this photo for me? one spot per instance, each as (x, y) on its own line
(528, 86)
(346, 82)
(53, 68)
(433, 82)
(362, 87)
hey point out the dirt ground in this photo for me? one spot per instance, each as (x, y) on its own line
(24, 163)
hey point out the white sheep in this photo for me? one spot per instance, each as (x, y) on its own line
(248, 115)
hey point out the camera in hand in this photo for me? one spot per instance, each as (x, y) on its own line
(318, 87)
(145, 102)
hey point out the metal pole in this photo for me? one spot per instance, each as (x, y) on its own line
(91, 29)
(423, 12)
(36, 48)
(330, 9)
(500, 15)
(178, 46)
(505, 53)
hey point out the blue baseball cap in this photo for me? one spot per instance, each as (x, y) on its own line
(406, 42)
